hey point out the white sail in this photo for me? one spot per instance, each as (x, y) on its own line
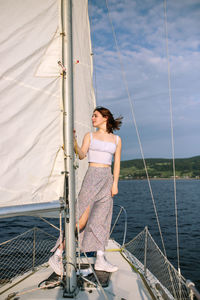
(31, 144)
(84, 97)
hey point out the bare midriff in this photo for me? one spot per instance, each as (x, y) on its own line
(92, 164)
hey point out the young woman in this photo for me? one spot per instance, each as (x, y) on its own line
(98, 188)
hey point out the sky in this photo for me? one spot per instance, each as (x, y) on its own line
(140, 33)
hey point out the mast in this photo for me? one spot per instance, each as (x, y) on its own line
(70, 289)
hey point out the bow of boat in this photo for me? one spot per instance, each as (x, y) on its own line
(123, 284)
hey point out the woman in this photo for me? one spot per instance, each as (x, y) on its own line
(98, 188)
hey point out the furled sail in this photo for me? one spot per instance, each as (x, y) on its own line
(31, 145)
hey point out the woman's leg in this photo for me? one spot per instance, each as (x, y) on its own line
(84, 218)
(55, 261)
(82, 222)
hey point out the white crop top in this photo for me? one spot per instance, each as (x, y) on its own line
(100, 151)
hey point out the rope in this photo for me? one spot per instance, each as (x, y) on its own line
(77, 207)
(172, 131)
(78, 231)
(114, 250)
(6, 242)
(76, 161)
(61, 242)
(31, 290)
(135, 124)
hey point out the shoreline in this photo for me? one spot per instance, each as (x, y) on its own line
(123, 179)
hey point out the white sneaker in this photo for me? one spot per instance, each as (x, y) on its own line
(56, 263)
(84, 272)
(102, 264)
(57, 243)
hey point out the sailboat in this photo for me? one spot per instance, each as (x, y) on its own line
(46, 92)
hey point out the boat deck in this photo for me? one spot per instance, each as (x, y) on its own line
(123, 284)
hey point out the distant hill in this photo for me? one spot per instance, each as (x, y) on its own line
(161, 168)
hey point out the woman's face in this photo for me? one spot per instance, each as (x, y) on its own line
(98, 119)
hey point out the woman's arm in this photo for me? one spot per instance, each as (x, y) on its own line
(82, 151)
(116, 169)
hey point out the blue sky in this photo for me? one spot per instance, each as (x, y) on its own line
(140, 32)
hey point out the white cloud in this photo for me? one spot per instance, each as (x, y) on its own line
(140, 33)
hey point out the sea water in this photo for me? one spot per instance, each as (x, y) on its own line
(135, 197)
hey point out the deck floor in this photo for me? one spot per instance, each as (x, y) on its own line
(124, 284)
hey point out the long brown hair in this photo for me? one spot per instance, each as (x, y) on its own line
(112, 124)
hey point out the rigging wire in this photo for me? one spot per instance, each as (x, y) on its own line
(172, 131)
(135, 124)
(139, 140)
(52, 225)
(96, 277)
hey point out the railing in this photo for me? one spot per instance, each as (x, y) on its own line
(122, 209)
(31, 249)
(24, 253)
(148, 259)
(193, 290)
